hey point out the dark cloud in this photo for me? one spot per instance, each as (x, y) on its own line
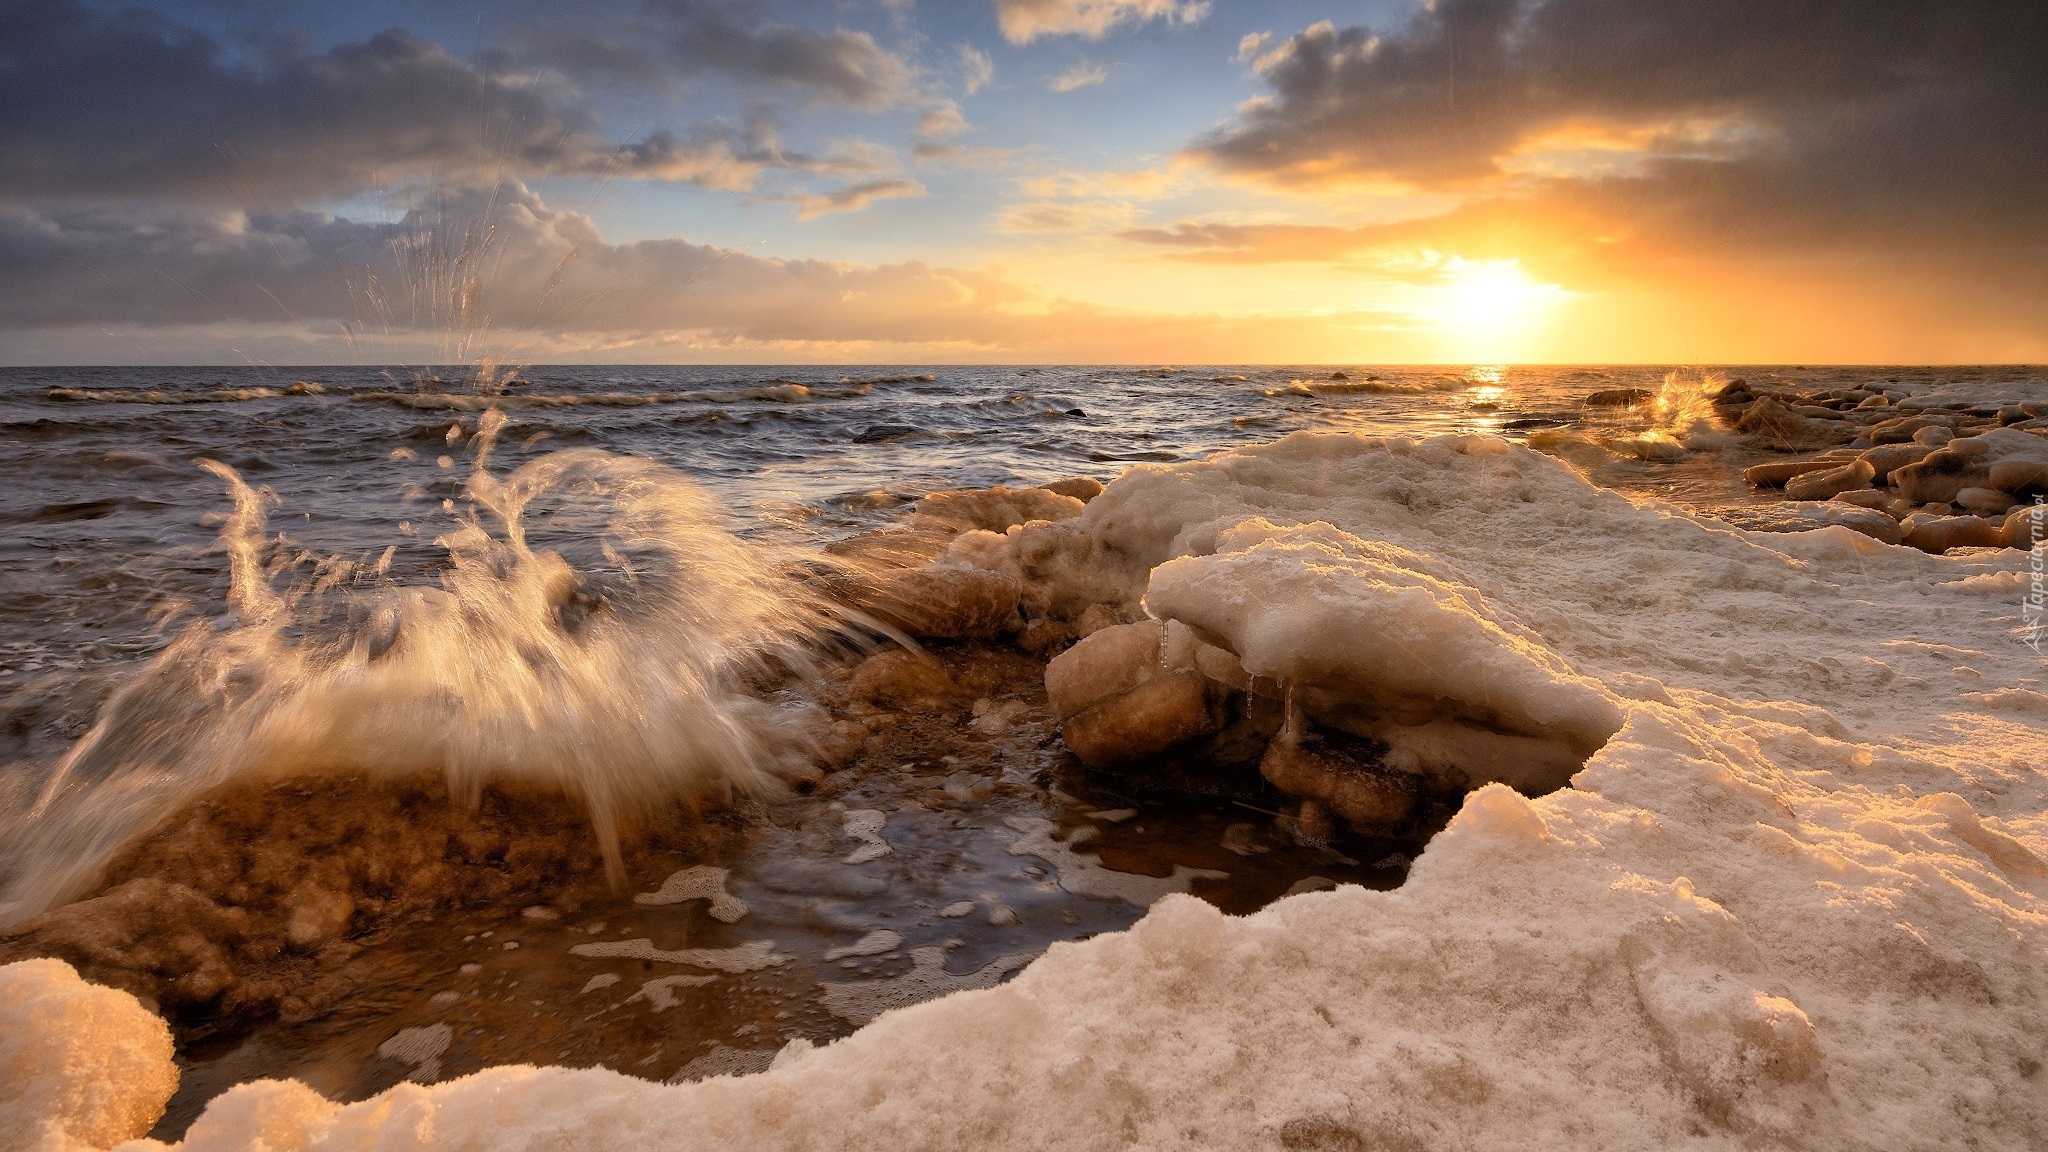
(670, 42)
(98, 107)
(1760, 122)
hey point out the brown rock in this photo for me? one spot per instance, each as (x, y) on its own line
(1081, 488)
(895, 678)
(1831, 482)
(1943, 473)
(1366, 796)
(1145, 721)
(1938, 534)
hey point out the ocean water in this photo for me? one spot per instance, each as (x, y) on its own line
(362, 504)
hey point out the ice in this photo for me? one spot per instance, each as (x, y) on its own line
(862, 1001)
(601, 980)
(80, 1066)
(724, 1061)
(1085, 876)
(1794, 897)
(865, 825)
(873, 944)
(702, 882)
(661, 991)
(749, 957)
(420, 1049)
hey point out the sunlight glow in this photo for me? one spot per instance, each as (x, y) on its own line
(1493, 307)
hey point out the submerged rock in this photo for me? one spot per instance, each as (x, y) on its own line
(1369, 798)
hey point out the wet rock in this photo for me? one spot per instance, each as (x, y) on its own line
(2025, 527)
(1830, 482)
(899, 679)
(1108, 663)
(995, 509)
(1619, 397)
(1938, 534)
(1887, 458)
(1368, 797)
(1777, 474)
(1081, 488)
(1933, 437)
(1146, 721)
(1094, 619)
(1984, 501)
(1943, 473)
(842, 744)
(942, 602)
(1771, 423)
(315, 916)
(1044, 637)
(2022, 477)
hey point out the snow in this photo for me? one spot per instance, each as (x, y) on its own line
(1796, 896)
(80, 1066)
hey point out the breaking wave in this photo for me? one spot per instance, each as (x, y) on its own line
(613, 669)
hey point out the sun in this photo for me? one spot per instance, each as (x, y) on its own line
(1493, 308)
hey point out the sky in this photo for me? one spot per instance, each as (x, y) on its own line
(1046, 181)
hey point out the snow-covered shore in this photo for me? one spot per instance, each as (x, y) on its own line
(1799, 898)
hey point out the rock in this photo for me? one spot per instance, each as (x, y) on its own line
(1094, 619)
(2022, 477)
(1041, 637)
(1775, 475)
(2026, 527)
(995, 509)
(1935, 436)
(1874, 402)
(942, 602)
(1081, 488)
(1805, 516)
(1770, 423)
(1943, 473)
(1872, 498)
(842, 744)
(1938, 534)
(1313, 825)
(1984, 501)
(894, 678)
(1884, 459)
(315, 916)
(1620, 397)
(1106, 664)
(1832, 482)
(1142, 723)
(1367, 797)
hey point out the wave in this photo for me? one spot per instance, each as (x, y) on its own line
(614, 669)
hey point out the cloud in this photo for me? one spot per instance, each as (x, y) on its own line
(100, 107)
(977, 71)
(1023, 21)
(314, 288)
(1081, 75)
(672, 42)
(1053, 217)
(855, 197)
(1629, 132)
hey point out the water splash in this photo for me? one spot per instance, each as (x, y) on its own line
(611, 668)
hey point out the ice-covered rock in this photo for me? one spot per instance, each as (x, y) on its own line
(81, 1066)
(997, 509)
(1119, 703)
(1937, 534)
(1820, 485)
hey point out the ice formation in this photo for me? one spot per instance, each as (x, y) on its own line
(80, 1066)
(865, 825)
(660, 992)
(1795, 897)
(752, 956)
(699, 882)
(875, 943)
(420, 1048)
